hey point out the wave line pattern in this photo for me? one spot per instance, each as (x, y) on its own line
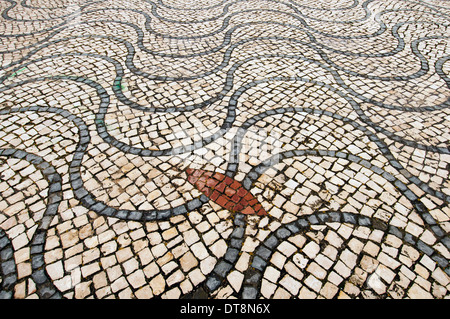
(224, 149)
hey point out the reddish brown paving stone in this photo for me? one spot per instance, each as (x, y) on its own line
(195, 173)
(204, 179)
(248, 196)
(228, 180)
(229, 192)
(211, 182)
(219, 177)
(220, 187)
(241, 192)
(214, 196)
(236, 198)
(207, 191)
(200, 184)
(222, 200)
(235, 185)
(229, 205)
(233, 197)
(248, 210)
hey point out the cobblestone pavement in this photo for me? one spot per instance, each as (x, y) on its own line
(224, 149)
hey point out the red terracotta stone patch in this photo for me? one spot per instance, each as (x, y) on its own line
(225, 191)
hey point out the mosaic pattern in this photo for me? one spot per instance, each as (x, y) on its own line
(224, 149)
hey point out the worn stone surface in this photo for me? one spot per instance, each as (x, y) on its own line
(224, 149)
